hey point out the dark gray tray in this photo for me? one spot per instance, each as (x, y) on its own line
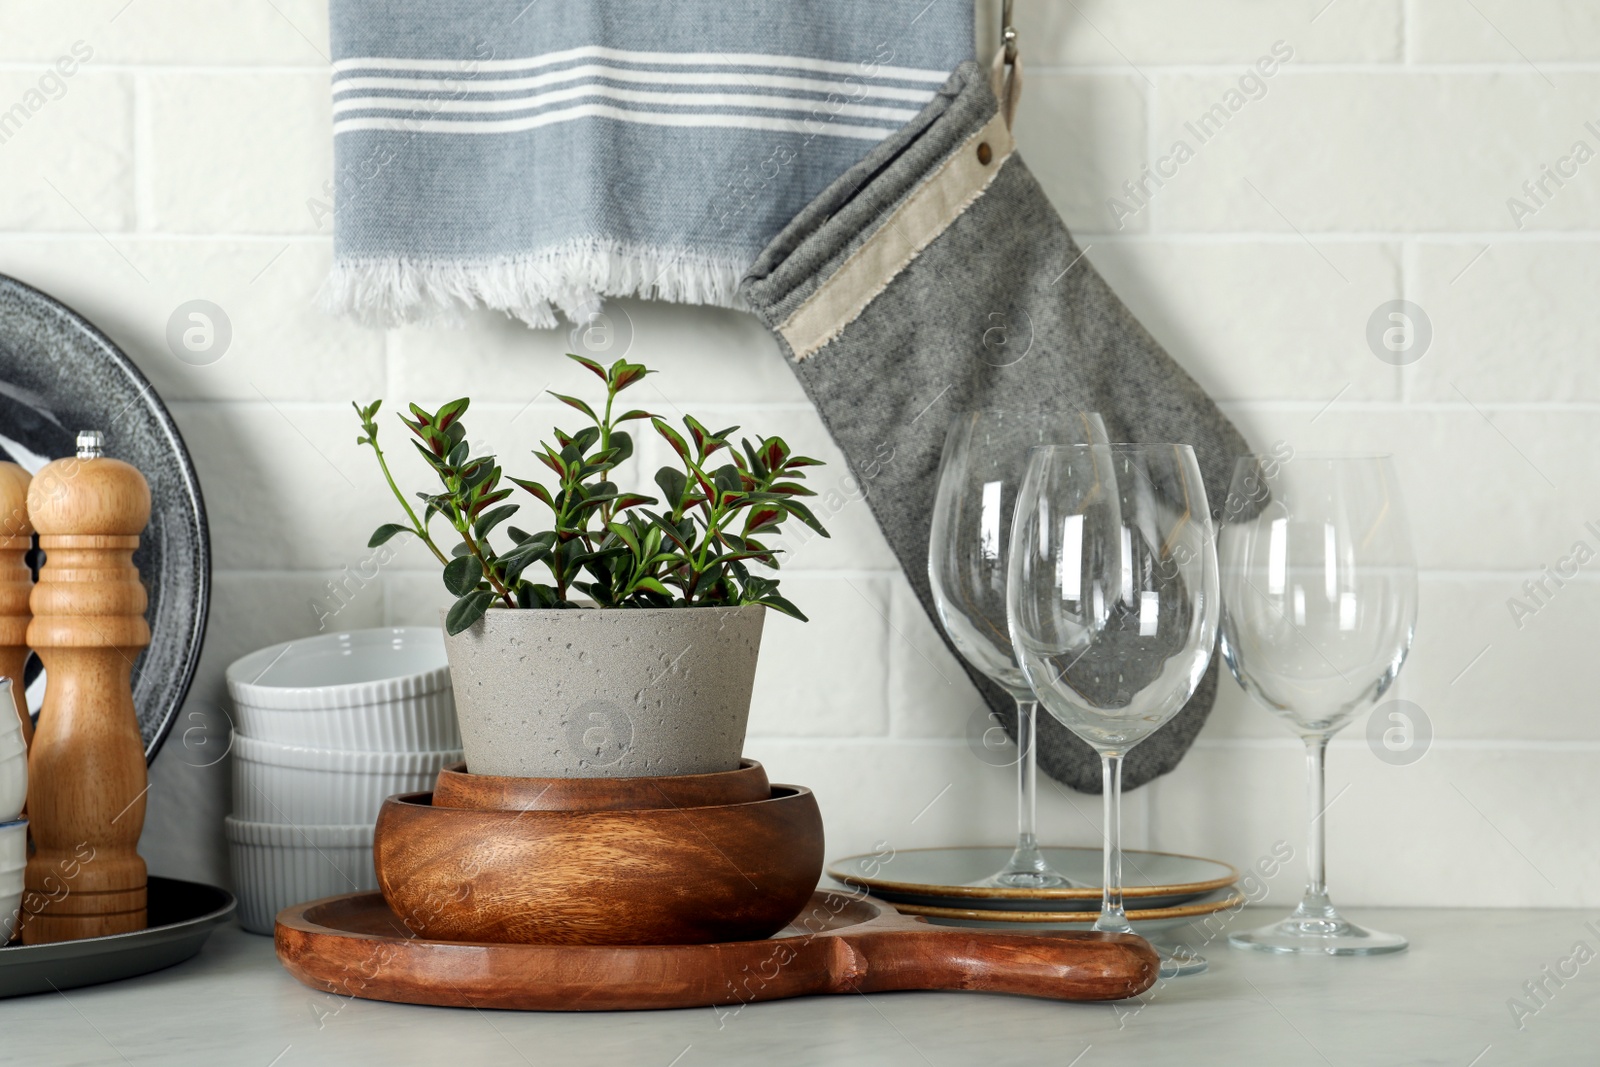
(182, 916)
(59, 375)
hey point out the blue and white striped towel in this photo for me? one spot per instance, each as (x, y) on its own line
(532, 156)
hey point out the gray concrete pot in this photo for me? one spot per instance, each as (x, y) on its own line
(614, 693)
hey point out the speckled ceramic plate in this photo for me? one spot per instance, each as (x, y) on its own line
(953, 877)
(182, 915)
(1146, 921)
(59, 375)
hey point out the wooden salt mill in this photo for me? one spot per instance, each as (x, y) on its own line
(16, 583)
(86, 770)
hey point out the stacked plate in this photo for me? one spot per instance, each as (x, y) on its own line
(948, 886)
(324, 729)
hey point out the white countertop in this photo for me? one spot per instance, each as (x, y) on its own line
(1443, 1002)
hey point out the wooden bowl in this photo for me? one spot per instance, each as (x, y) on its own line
(650, 876)
(458, 789)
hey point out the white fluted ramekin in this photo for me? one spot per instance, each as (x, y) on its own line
(384, 690)
(13, 862)
(13, 779)
(293, 784)
(275, 866)
(424, 723)
(14, 760)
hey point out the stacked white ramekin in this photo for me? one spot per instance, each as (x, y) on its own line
(324, 729)
(13, 827)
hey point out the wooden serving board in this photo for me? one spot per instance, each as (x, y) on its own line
(353, 945)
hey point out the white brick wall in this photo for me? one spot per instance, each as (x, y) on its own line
(1376, 165)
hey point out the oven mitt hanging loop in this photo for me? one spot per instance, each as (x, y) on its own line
(883, 293)
(1005, 81)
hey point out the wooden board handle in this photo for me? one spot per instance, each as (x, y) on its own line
(353, 945)
(1065, 965)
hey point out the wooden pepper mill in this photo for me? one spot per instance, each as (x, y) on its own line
(86, 770)
(16, 583)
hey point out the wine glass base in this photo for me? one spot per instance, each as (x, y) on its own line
(1177, 961)
(1027, 870)
(1321, 935)
(1180, 961)
(1029, 879)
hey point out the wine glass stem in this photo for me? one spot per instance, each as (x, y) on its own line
(1027, 776)
(1316, 836)
(1112, 918)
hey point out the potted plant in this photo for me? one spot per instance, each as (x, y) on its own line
(654, 677)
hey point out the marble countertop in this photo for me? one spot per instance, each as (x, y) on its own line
(1446, 1001)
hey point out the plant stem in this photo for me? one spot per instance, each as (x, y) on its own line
(605, 443)
(488, 565)
(416, 524)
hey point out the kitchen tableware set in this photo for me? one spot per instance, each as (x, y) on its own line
(1112, 601)
(605, 890)
(84, 782)
(325, 728)
(584, 894)
(1319, 605)
(77, 892)
(952, 884)
(1111, 597)
(985, 457)
(354, 945)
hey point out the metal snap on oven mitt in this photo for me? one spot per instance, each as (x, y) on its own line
(886, 293)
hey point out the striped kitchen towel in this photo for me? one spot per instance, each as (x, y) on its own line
(532, 156)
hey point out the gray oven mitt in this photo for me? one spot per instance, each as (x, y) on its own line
(935, 277)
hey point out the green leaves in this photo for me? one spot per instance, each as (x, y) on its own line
(537, 490)
(466, 611)
(450, 413)
(715, 518)
(383, 533)
(674, 438)
(369, 422)
(493, 519)
(574, 402)
(625, 374)
(620, 375)
(672, 483)
(462, 574)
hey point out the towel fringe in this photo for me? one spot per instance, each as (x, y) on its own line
(574, 277)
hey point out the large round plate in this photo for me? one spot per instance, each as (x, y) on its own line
(950, 877)
(59, 375)
(182, 916)
(1145, 921)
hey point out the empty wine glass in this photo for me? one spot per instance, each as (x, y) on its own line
(1319, 605)
(985, 456)
(1112, 604)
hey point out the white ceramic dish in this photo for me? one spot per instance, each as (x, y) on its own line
(13, 758)
(422, 723)
(385, 690)
(296, 785)
(958, 878)
(13, 861)
(275, 866)
(1204, 913)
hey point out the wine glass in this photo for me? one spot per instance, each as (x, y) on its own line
(1112, 604)
(1319, 605)
(985, 455)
